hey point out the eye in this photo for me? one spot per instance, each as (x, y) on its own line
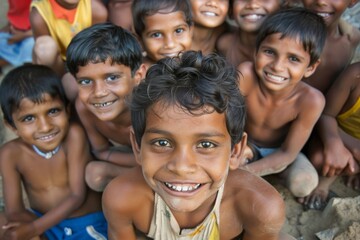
(162, 143)
(294, 59)
(28, 118)
(54, 111)
(179, 30)
(206, 144)
(269, 52)
(84, 82)
(155, 35)
(112, 78)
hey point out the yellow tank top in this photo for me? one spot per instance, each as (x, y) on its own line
(349, 121)
(61, 30)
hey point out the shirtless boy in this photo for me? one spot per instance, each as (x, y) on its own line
(106, 61)
(281, 109)
(48, 158)
(209, 23)
(341, 41)
(239, 46)
(164, 27)
(337, 151)
(184, 185)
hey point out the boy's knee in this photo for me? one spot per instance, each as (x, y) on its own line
(95, 176)
(303, 183)
(45, 50)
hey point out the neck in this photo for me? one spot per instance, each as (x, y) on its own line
(46, 155)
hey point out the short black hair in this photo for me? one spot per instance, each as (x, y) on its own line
(193, 82)
(144, 8)
(101, 42)
(298, 23)
(28, 81)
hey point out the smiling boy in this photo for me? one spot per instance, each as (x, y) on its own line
(189, 184)
(281, 109)
(164, 27)
(106, 63)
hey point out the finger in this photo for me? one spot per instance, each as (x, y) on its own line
(325, 170)
(10, 225)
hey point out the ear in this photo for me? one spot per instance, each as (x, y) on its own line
(135, 146)
(237, 153)
(311, 69)
(140, 74)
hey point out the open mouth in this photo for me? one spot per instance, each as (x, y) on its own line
(101, 105)
(275, 78)
(47, 137)
(253, 17)
(324, 14)
(209, 14)
(182, 187)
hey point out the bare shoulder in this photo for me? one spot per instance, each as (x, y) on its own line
(99, 11)
(247, 76)
(126, 193)
(38, 24)
(12, 150)
(350, 31)
(87, 118)
(256, 202)
(223, 42)
(310, 97)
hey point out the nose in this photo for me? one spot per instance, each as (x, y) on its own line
(278, 64)
(44, 124)
(252, 4)
(211, 3)
(321, 3)
(100, 89)
(182, 162)
(169, 41)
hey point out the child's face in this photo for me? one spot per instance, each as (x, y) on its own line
(165, 35)
(281, 63)
(103, 88)
(43, 124)
(330, 10)
(250, 14)
(187, 162)
(209, 13)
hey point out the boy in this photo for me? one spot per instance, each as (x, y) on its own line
(209, 18)
(184, 181)
(281, 109)
(239, 46)
(48, 159)
(341, 41)
(164, 27)
(337, 151)
(16, 41)
(56, 22)
(106, 63)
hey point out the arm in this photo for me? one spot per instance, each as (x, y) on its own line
(99, 12)
(38, 25)
(100, 145)
(18, 35)
(310, 107)
(336, 155)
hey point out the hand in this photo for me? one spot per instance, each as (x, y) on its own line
(18, 231)
(337, 157)
(16, 35)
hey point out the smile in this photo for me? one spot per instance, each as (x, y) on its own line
(275, 78)
(47, 137)
(183, 187)
(210, 14)
(324, 15)
(253, 16)
(105, 104)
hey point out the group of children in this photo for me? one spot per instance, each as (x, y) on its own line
(166, 139)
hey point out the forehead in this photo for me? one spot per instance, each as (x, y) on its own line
(101, 68)
(27, 104)
(202, 121)
(164, 20)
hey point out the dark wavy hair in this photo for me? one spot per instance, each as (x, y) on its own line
(193, 82)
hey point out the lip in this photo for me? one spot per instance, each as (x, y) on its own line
(103, 105)
(170, 54)
(209, 13)
(47, 137)
(253, 17)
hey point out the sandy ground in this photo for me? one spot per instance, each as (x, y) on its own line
(340, 220)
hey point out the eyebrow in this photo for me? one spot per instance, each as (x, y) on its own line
(206, 134)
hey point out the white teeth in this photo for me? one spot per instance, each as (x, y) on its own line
(102, 104)
(182, 188)
(211, 14)
(253, 16)
(323, 14)
(275, 78)
(47, 137)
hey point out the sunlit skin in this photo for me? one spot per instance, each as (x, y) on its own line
(341, 41)
(186, 158)
(250, 14)
(186, 163)
(166, 34)
(281, 109)
(209, 13)
(103, 87)
(43, 125)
